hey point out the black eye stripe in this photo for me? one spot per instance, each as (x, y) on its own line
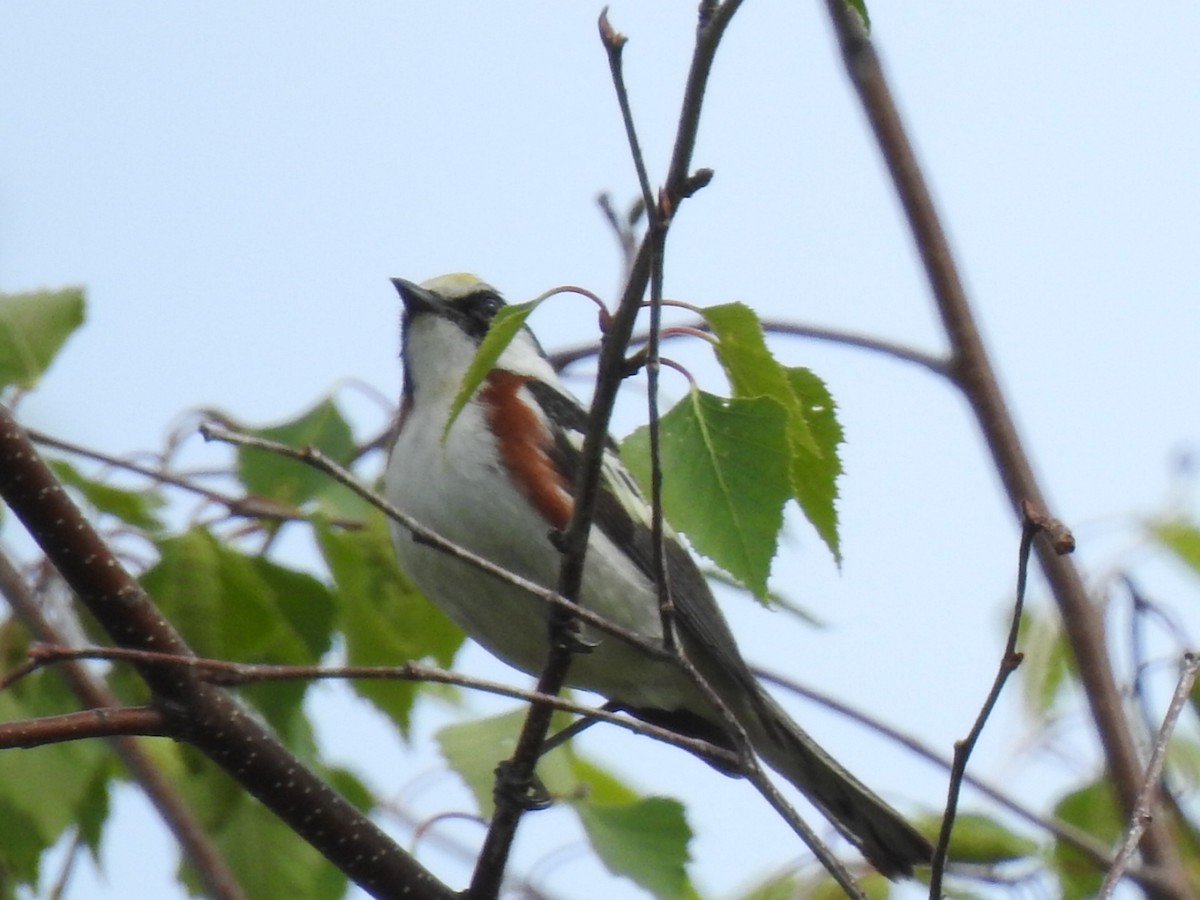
(476, 311)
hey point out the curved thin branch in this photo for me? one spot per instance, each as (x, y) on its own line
(228, 673)
(935, 364)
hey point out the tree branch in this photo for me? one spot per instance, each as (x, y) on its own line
(120, 721)
(613, 369)
(973, 373)
(228, 673)
(1143, 813)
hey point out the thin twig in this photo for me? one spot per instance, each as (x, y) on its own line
(574, 539)
(935, 364)
(1085, 843)
(245, 506)
(313, 457)
(1143, 812)
(614, 42)
(125, 721)
(824, 856)
(229, 674)
(962, 749)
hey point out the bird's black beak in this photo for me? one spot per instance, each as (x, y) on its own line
(416, 299)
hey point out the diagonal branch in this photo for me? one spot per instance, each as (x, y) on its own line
(613, 369)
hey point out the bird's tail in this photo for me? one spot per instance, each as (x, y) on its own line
(883, 836)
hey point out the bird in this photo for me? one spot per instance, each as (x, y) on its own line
(498, 482)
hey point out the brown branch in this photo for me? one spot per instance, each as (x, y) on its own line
(1143, 812)
(195, 843)
(228, 674)
(120, 721)
(973, 373)
(613, 369)
(935, 364)
(202, 714)
(1009, 661)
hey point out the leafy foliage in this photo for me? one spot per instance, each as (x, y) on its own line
(644, 839)
(33, 326)
(75, 774)
(382, 617)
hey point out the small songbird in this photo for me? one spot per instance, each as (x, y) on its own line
(499, 484)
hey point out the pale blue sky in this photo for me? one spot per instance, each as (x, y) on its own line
(234, 183)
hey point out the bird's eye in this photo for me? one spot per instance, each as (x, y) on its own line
(479, 309)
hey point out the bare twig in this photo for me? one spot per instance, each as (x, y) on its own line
(228, 673)
(574, 540)
(244, 506)
(1085, 843)
(1143, 812)
(962, 749)
(92, 723)
(972, 371)
(656, 233)
(935, 364)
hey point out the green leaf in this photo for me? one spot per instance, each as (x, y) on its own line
(349, 786)
(1093, 809)
(979, 839)
(646, 841)
(136, 508)
(599, 784)
(268, 860)
(386, 621)
(599, 794)
(232, 606)
(860, 7)
(46, 790)
(814, 475)
(94, 809)
(812, 427)
(33, 327)
(1047, 663)
(1182, 539)
(726, 478)
(752, 369)
(822, 887)
(507, 322)
(473, 750)
(287, 480)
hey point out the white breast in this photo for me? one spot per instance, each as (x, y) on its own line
(458, 488)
